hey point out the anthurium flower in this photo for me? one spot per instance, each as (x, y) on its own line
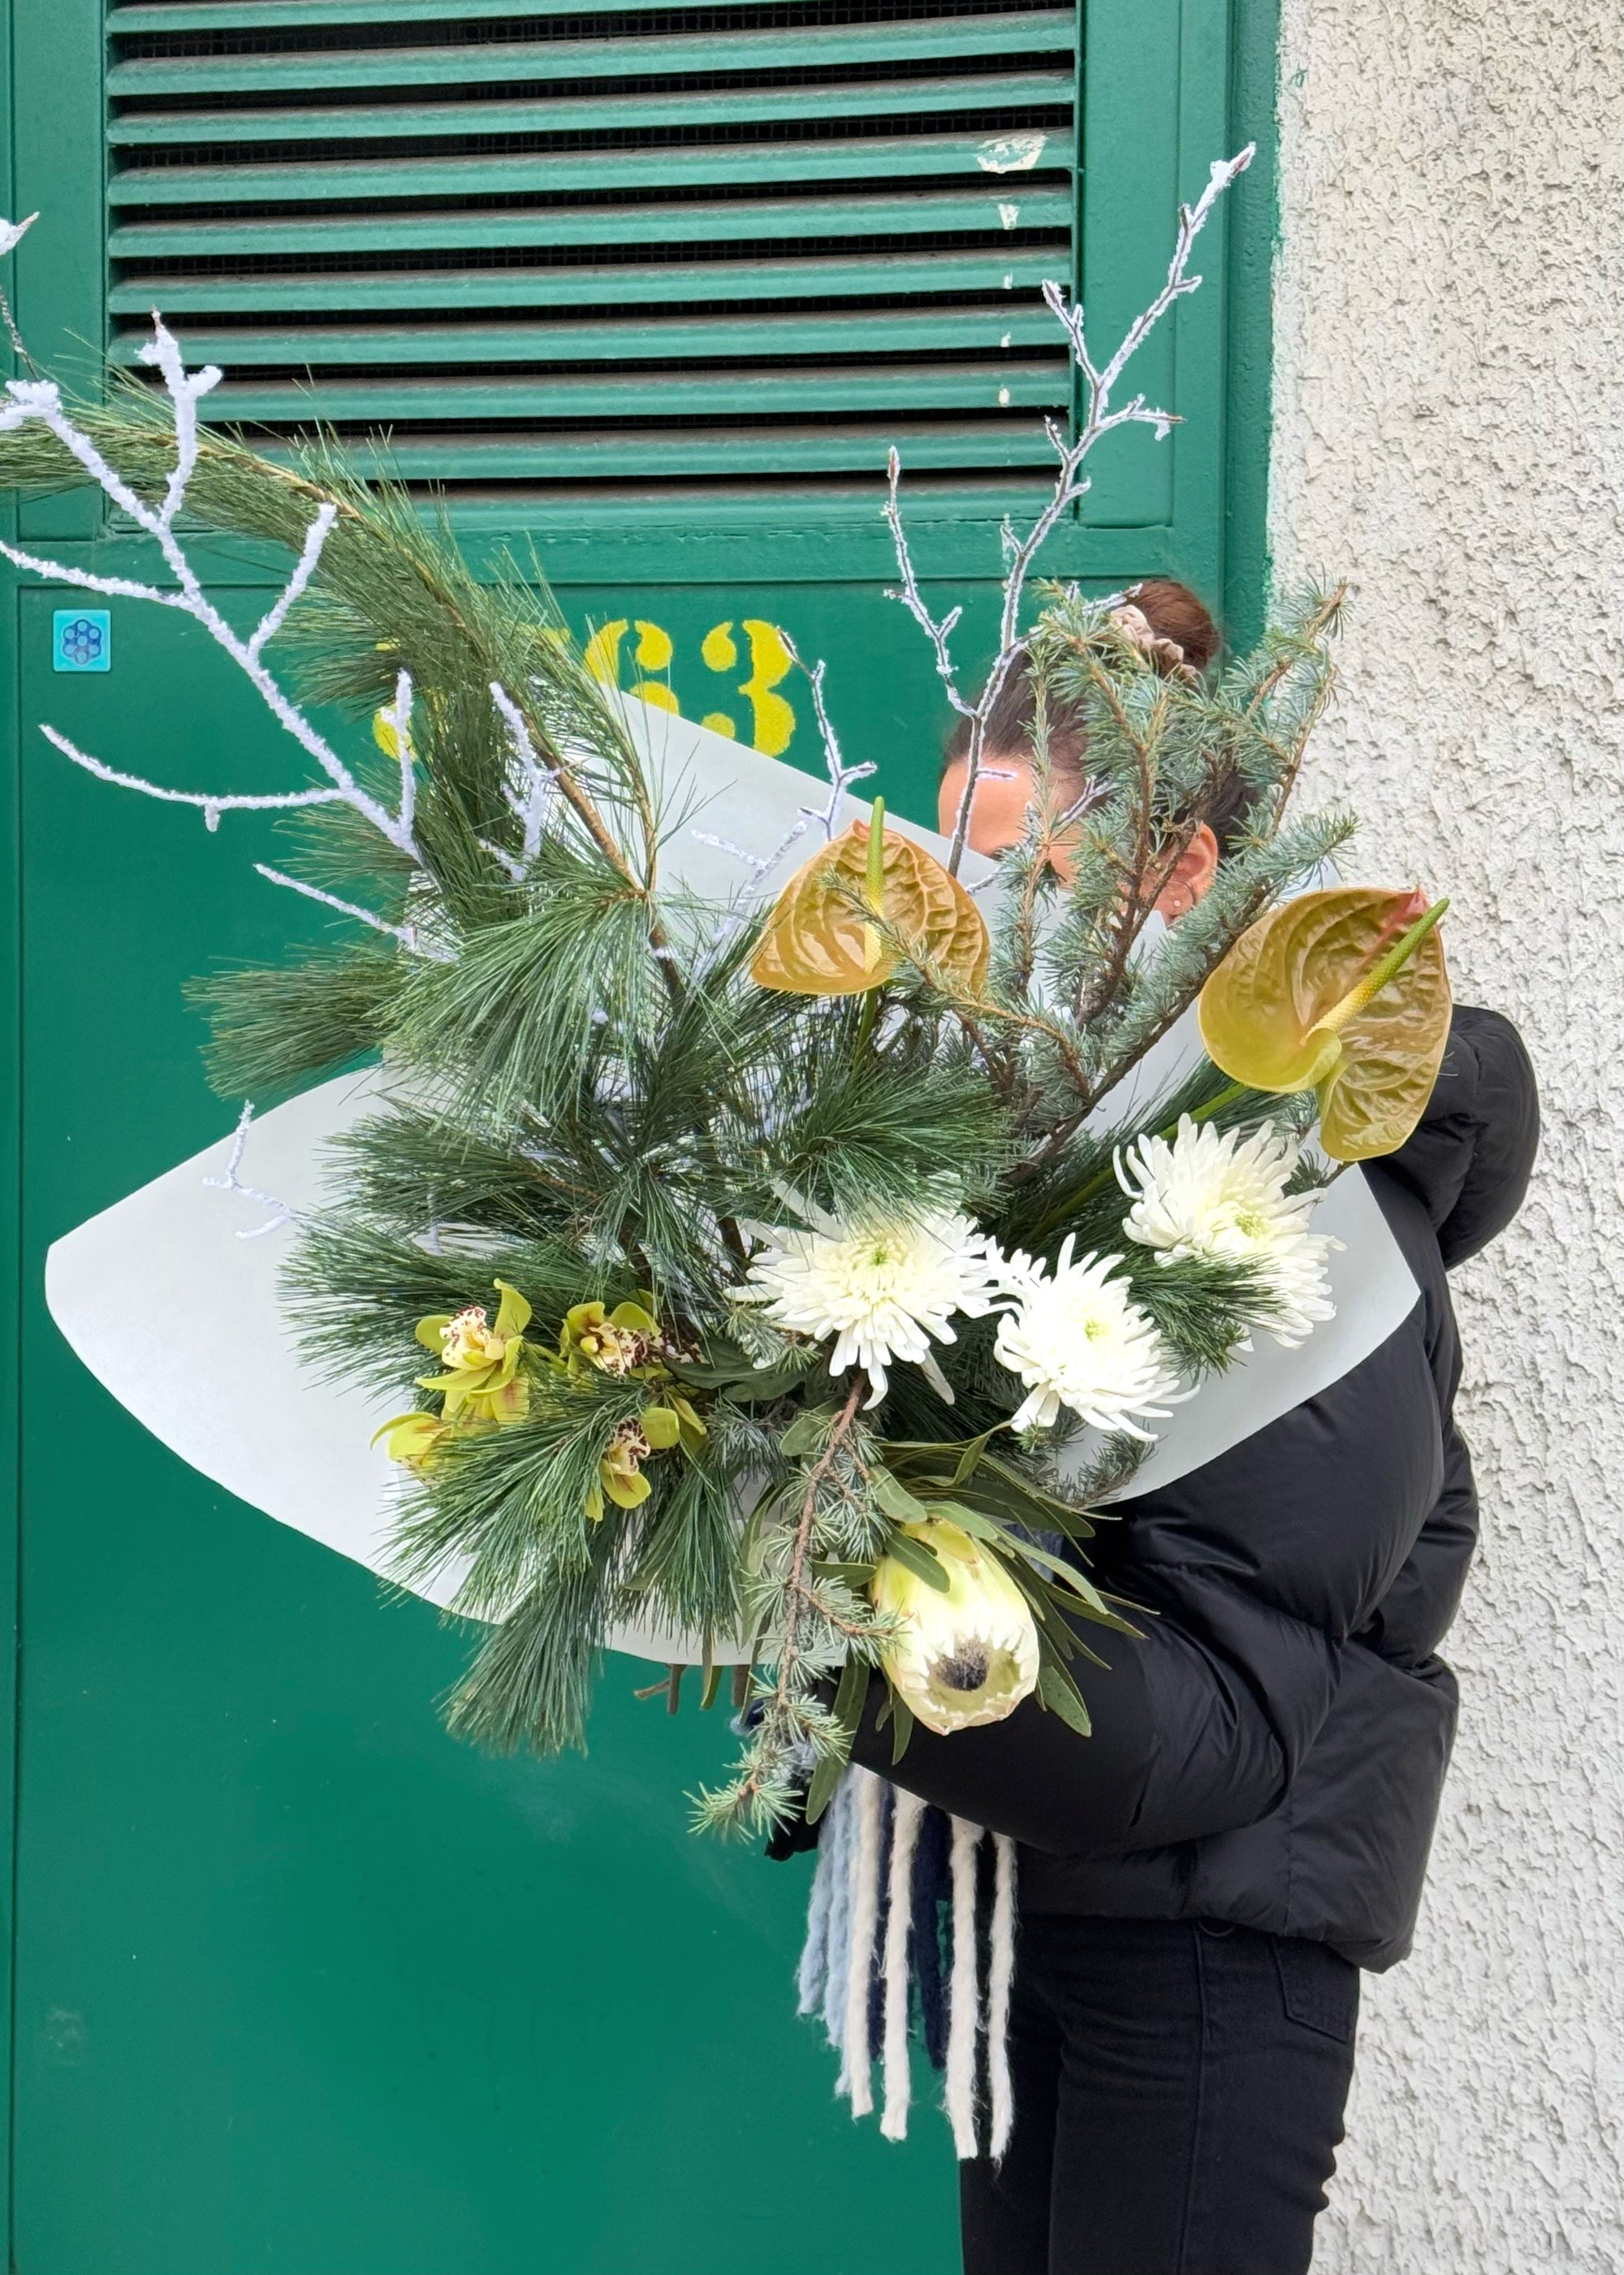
(967, 1654)
(482, 1382)
(818, 941)
(1343, 993)
(612, 1342)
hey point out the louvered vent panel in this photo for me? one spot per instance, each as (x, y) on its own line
(676, 247)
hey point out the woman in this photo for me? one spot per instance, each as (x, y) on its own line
(1202, 1880)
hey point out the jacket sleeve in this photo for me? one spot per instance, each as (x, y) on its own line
(1418, 1610)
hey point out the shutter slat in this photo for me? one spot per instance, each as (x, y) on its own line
(506, 63)
(657, 394)
(187, 18)
(612, 114)
(991, 211)
(660, 244)
(468, 346)
(669, 167)
(651, 453)
(450, 291)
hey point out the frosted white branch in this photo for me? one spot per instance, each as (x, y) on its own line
(398, 719)
(210, 803)
(315, 537)
(184, 389)
(406, 934)
(281, 1213)
(11, 233)
(840, 776)
(1071, 484)
(531, 787)
(86, 580)
(40, 400)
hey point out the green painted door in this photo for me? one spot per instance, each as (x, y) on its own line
(298, 1983)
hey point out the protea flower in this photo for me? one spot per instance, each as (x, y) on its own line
(964, 1655)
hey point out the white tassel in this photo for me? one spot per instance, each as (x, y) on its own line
(842, 1832)
(1000, 1975)
(812, 1973)
(964, 1993)
(899, 1897)
(864, 1920)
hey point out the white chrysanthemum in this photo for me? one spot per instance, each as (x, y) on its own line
(1076, 1339)
(1224, 1196)
(885, 1291)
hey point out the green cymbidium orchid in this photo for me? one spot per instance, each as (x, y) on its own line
(616, 1343)
(1343, 993)
(483, 1381)
(968, 1652)
(416, 1439)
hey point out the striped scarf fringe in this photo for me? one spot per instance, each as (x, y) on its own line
(913, 1912)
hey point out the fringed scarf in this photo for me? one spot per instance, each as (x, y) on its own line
(908, 1921)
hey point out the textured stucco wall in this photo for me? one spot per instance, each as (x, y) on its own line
(1449, 353)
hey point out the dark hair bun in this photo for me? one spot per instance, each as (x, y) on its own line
(1174, 613)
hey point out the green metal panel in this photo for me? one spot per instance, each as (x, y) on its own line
(301, 1984)
(304, 1983)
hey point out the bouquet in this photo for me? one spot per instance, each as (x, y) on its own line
(796, 1268)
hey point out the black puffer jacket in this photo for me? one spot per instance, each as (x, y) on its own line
(1273, 1749)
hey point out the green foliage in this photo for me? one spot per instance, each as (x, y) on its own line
(593, 1103)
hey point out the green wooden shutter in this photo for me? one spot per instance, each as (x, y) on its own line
(554, 252)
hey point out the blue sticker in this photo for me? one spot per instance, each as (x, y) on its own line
(81, 640)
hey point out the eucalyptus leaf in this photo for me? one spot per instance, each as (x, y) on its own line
(923, 1562)
(894, 1498)
(1059, 1695)
(806, 1435)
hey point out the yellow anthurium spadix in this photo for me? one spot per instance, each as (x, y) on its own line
(1344, 993)
(819, 942)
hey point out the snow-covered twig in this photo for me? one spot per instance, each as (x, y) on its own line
(1071, 483)
(281, 1212)
(406, 934)
(315, 537)
(839, 775)
(11, 233)
(40, 400)
(531, 787)
(210, 803)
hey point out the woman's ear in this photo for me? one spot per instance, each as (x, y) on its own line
(1190, 877)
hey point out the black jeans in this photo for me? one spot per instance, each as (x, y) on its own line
(1178, 2089)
